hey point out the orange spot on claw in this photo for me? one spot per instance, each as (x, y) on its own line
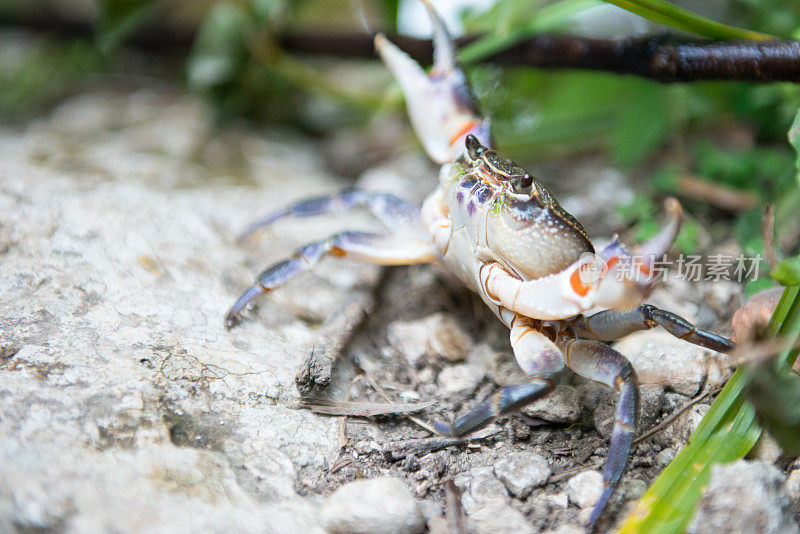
(464, 130)
(577, 284)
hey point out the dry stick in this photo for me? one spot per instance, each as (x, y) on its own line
(411, 418)
(569, 472)
(337, 330)
(768, 233)
(671, 419)
(649, 57)
(342, 432)
(362, 409)
(454, 511)
(716, 194)
(657, 58)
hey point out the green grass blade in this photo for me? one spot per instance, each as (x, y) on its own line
(683, 19)
(542, 20)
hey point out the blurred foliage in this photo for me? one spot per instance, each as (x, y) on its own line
(42, 72)
(118, 18)
(237, 65)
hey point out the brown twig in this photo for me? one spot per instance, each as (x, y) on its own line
(342, 432)
(400, 450)
(716, 194)
(453, 510)
(658, 428)
(362, 409)
(768, 233)
(650, 57)
(674, 416)
(569, 472)
(413, 419)
(336, 332)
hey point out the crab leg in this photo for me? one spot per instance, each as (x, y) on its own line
(538, 357)
(600, 363)
(392, 211)
(440, 105)
(611, 324)
(380, 249)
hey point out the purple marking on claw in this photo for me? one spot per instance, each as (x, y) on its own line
(613, 249)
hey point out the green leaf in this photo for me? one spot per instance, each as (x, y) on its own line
(119, 19)
(547, 18)
(219, 51)
(643, 123)
(787, 272)
(683, 19)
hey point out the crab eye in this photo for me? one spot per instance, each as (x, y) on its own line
(523, 184)
(474, 147)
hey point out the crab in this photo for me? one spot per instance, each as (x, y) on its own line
(502, 233)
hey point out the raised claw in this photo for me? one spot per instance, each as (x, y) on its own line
(658, 245)
(630, 277)
(440, 105)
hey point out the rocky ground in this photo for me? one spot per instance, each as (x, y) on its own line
(126, 406)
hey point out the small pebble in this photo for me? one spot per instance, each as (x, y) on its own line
(521, 472)
(479, 486)
(498, 517)
(437, 334)
(660, 358)
(664, 457)
(460, 379)
(793, 485)
(377, 505)
(561, 406)
(584, 489)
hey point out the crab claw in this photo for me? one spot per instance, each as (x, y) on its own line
(440, 105)
(630, 277)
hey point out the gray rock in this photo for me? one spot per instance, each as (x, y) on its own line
(660, 358)
(367, 506)
(681, 429)
(480, 486)
(745, 497)
(497, 517)
(439, 334)
(460, 379)
(584, 489)
(664, 457)
(561, 406)
(521, 472)
(124, 402)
